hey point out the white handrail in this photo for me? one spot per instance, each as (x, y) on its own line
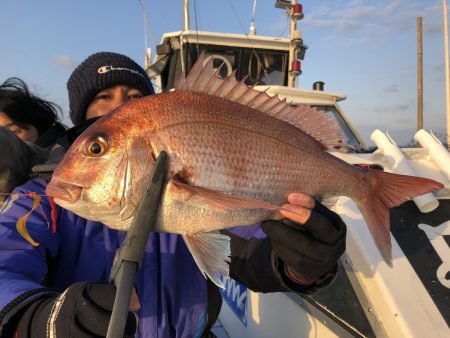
(398, 163)
(436, 150)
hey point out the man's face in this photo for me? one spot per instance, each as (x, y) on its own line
(108, 99)
(27, 133)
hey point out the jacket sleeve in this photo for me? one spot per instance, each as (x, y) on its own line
(251, 260)
(254, 264)
(23, 267)
(16, 160)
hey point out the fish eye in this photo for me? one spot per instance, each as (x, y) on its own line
(96, 147)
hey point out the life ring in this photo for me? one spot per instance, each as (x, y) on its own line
(254, 77)
(225, 61)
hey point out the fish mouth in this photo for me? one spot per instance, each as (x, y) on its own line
(63, 191)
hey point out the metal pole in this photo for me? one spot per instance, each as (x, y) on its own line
(419, 75)
(447, 76)
(292, 77)
(187, 24)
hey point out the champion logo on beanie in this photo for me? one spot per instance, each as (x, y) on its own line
(106, 69)
(101, 71)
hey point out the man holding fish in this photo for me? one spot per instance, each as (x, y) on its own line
(53, 283)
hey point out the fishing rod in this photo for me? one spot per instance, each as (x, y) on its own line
(130, 255)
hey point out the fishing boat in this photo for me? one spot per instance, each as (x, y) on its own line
(368, 299)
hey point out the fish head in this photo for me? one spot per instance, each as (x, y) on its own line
(103, 175)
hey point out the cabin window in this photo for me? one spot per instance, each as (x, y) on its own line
(350, 138)
(264, 67)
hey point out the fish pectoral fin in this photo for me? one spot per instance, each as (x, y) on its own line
(212, 199)
(211, 251)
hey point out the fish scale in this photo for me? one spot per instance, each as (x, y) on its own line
(242, 152)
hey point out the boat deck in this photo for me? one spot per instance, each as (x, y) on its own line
(219, 330)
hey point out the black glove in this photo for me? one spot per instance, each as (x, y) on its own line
(83, 310)
(307, 252)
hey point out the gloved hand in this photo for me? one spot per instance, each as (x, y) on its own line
(310, 247)
(16, 160)
(83, 310)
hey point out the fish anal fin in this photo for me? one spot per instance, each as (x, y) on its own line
(329, 201)
(203, 79)
(376, 215)
(211, 252)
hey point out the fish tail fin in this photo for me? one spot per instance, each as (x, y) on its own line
(386, 191)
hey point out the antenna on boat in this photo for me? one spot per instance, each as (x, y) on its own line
(147, 28)
(252, 20)
(419, 75)
(187, 24)
(297, 48)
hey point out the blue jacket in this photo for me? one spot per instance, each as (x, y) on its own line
(84, 251)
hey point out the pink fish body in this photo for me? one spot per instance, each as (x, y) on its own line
(234, 156)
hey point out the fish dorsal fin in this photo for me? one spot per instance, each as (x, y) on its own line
(203, 79)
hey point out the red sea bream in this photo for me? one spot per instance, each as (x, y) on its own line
(234, 156)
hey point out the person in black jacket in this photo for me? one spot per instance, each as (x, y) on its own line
(29, 127)
(298, 256)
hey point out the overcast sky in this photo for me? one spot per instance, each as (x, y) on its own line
(364, 49)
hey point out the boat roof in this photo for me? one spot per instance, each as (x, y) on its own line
(227, 39)
(259, 42)
(302, 95)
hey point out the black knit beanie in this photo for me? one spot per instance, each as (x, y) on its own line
(101, 71)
